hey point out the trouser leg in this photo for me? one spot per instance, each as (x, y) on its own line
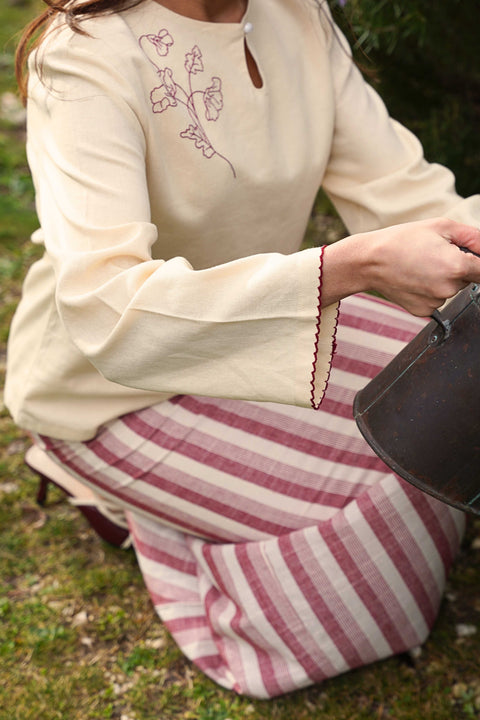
(277, 548)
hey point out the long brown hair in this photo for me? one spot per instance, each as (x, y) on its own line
(74, 11)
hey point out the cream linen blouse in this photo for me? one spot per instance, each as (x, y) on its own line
(173, 196)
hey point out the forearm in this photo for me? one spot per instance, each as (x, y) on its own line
(416, 265)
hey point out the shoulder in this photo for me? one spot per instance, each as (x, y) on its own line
(327, 31)
(317, 13)
(105, 51)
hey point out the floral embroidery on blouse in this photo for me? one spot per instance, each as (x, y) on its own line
(162, 42)
(169, 93)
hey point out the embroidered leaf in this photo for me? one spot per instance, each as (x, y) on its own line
(193, 61)
(193, 133)
(213, 99)
(160, 101)
(161, 41)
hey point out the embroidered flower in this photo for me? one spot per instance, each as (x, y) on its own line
(213, 99)
(185, 96)
(161, 41)
(193, 61)
(164, 96)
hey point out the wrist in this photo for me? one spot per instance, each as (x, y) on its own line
(347, 268)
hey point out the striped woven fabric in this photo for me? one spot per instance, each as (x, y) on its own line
(276, 547)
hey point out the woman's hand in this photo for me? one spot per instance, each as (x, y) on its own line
(416, 265)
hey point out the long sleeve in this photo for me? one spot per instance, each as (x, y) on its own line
(245, 328)
(173, 197)
(377, 175)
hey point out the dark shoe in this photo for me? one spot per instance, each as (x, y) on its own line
(106, 519)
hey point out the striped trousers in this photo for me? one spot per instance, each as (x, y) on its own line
(277, 548)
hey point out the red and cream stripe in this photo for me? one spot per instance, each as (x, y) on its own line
(277, 548)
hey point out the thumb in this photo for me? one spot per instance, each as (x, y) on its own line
(464, 236)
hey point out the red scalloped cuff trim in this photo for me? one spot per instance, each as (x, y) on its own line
(315, 405)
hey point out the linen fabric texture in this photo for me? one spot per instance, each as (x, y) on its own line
(173, 197)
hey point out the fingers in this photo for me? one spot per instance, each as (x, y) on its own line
(465, 238)
(422, 306)
(459, 234)
(425, 264)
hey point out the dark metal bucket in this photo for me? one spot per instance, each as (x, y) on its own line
(421, 414)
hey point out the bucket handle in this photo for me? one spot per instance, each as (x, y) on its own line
(445, 325)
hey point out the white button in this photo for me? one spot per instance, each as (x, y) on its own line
(247, 28)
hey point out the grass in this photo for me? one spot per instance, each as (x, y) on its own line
(79, 639)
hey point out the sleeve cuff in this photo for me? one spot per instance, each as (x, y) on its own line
(324, 343)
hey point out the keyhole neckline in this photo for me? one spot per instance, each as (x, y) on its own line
(241, 29)
(244, 26)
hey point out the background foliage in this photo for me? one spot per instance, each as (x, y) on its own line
(427, 63)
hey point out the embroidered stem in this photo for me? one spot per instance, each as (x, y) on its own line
(168, 93)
